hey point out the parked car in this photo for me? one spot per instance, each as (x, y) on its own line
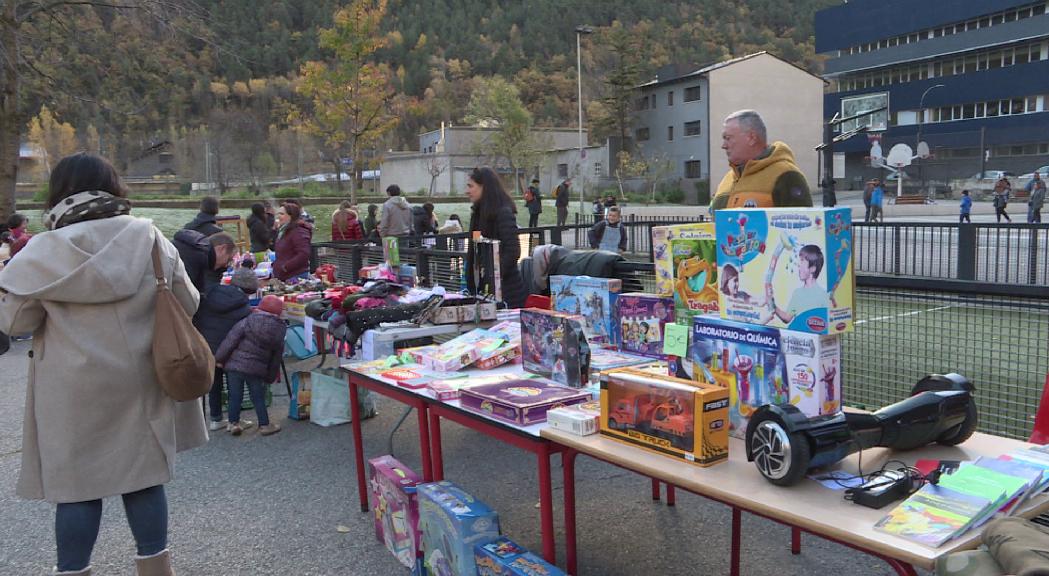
(1043, 170)
(993, 175)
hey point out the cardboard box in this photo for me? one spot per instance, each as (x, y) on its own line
(671, 416)
(503, 557)
(393, 487)
(580, 419)
(464, 311)
(452, 523)
(591, 298)
(510, 330)
(520, 402)
(787, 268)
(761, 365)
(553, 346)
(640, 319)
(459, 352)
(685, 259)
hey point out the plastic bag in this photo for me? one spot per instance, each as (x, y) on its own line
(330, 399)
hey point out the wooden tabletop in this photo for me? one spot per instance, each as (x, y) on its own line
(808, 504)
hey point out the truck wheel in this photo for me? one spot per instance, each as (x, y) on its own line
(781, 457)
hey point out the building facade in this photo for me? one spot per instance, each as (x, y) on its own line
(982, 67)
(677, 124)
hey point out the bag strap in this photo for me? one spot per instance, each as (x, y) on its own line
(158, 268)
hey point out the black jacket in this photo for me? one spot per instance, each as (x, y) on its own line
(261, 234)
(535, 205)
(221, 307)
(198, 256)
(422, 221)
(204, 223)
(562, 196)
(503, 228)
(597, 232)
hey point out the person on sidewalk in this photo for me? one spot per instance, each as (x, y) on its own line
(1002, 188)
(830, 198)
(205, 221)
(877, 198)
(868, 190)
(534, 203)
(97, 422)
(609, 234)
(250, 355)
(221, 307)
(1036, 199)
(966, 208)
(562, 195)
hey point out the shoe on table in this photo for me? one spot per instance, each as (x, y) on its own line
(215, 425)
(236, 428)
(269, 429)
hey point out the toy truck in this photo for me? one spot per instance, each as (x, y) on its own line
(664, 417)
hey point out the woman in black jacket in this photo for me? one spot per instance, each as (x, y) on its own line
(259, 229)
(493, 216)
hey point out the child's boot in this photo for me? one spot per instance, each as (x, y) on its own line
(158, 564)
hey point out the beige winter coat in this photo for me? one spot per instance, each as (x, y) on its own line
(96, 422)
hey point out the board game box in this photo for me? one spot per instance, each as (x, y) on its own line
(554, 346)
(521, 402)
(685, 259)
(639, 322)
(591, 298)
(452, 522)
(503, 557)
(393, 487)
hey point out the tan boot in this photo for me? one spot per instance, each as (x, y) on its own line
(84, 572)
(158, 564)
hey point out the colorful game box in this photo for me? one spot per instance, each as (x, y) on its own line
(603, 359)
(787, 268)
(761, 365)
(460, 351)
(591, 298)
(640, 319)
(580, 419)
(679, 418)
(503, 557)
(685, 257)
(521, 402)
(554, 346)
(452, 523)
(509, 351)
(393, 487)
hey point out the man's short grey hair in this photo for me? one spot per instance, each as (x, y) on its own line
(751, 121)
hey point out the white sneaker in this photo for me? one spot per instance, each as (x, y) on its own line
(217, 425)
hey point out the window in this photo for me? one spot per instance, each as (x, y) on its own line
(562, 171)
(693, 169)
(166, 158)
(692, 93)
(693, 128)
(670, 98)
(641, 134)
(670, 133)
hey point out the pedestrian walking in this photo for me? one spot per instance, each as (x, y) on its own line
(966, 208)
(877, 198)
(534, 203)
(1036, 198)
(562, 195)
(868, 190)
(1002, 188)
(97, 423)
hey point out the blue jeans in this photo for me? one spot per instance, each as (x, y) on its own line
(76, 527)
(236, 381)
(215, 397)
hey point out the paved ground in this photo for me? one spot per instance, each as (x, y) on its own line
(286, 505)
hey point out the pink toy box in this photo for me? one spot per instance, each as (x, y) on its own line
(393, 488)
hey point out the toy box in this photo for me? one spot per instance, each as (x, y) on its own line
(591, 298)
(640, 319)
(452, 522)
(464, 311)
(460, 351)
(685, 258)
(679, 418)
(580, 419)
(787, 268)
(393, 487)
(448, 389)
(603, 359)
(553, 346)
(391, 250)
(520, 402)
(509, 351)
(761, 365)
(503, 557)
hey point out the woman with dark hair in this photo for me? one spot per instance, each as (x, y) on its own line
(259, 229)
(293, 244)
(371, 224)
(493, 216)
(97, 423)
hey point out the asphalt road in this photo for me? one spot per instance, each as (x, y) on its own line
(286, 505)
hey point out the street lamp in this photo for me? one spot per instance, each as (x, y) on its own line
(921, 120)
(579, 32)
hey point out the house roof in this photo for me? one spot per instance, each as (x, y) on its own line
(708, 68)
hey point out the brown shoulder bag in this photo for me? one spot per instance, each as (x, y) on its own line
(182, 359)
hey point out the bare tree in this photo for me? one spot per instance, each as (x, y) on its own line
(435, 167)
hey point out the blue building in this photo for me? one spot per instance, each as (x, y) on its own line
(982, 67)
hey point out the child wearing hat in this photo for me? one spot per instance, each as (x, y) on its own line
(251, 355)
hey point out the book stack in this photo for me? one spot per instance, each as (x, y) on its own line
(969, 496)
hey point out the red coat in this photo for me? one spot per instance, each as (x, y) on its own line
(293, 251)
(352, 230)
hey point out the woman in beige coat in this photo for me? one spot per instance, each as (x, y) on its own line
(97, 423)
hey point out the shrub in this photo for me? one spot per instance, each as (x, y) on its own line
(41, 194)
(672, 196)
(287, 193)
(702, 192)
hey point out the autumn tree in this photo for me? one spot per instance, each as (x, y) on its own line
(53, 138)
(349, 94)
(496, 103)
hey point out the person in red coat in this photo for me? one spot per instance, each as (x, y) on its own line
(345, 225)
(19, 237)
(293, 244)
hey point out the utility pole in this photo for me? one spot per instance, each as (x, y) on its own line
(579, 31)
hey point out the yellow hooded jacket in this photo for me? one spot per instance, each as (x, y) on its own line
(768, 181)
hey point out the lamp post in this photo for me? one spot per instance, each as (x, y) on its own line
(579, 32)
(921, 120)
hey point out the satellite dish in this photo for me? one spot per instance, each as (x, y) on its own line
(923, 150)
(899, 156)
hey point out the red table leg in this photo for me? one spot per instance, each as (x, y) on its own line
(568, 468)
(435, 442)
(424, 441)
(358, 446)
(795, 541)
(737, 522)
(655, 489)
(546, 508)
(671, 500)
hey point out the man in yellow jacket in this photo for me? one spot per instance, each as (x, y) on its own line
(760, 175)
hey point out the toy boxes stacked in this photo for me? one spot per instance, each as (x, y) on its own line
(452, 522)
(393, 488)
(554, 346)
(591, 298)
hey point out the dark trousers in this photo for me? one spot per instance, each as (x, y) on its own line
(237, 381)
(999, 213)
(215, 396)
(964, 217)
(562, 215)
(77, 523)
(866, 212)
(533, 219)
